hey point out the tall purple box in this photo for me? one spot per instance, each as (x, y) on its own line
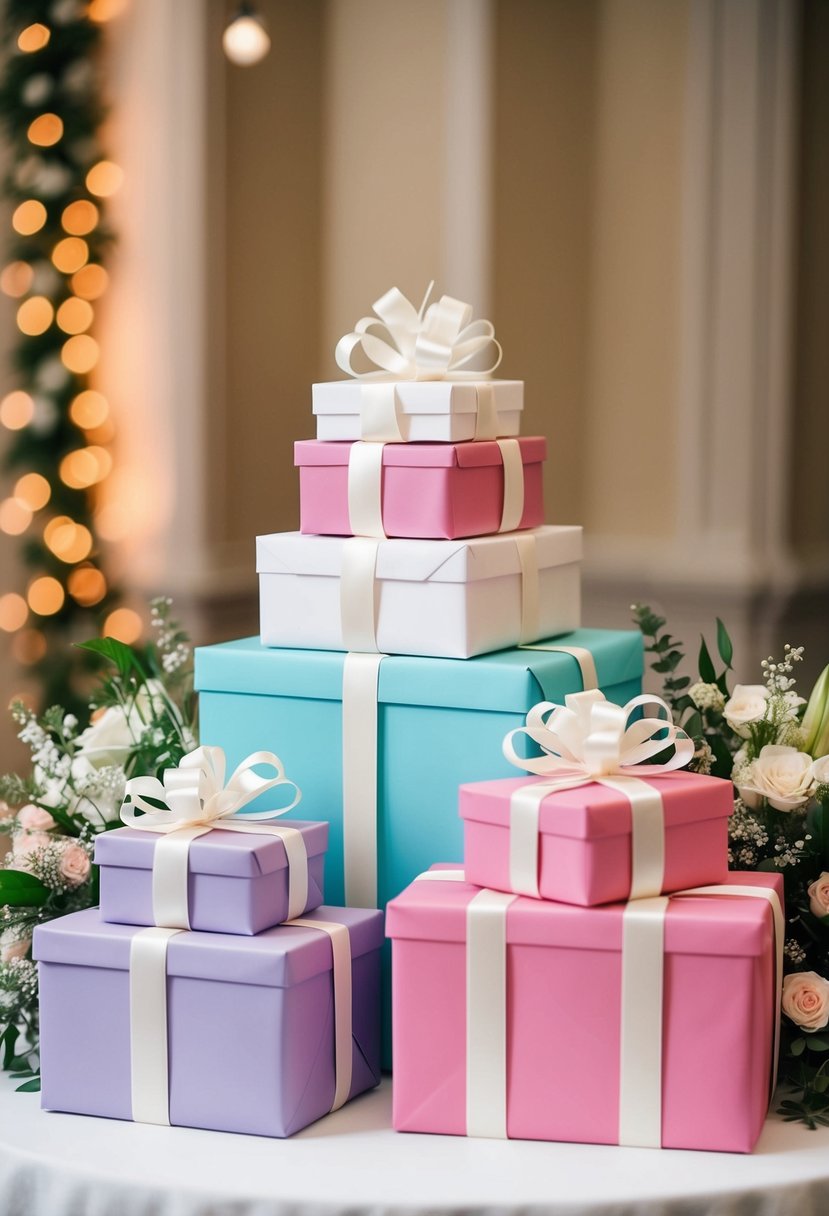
(238, 881)
(250, 1021)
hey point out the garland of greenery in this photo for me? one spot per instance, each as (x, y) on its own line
(51, 111)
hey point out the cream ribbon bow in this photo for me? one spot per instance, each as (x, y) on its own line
(435, 342)
(197, 800)
(590, 739)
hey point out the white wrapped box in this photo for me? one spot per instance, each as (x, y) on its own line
(440, 598)
(445, 411)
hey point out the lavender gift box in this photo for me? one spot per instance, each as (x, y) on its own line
(237, 883)
(250, 1021)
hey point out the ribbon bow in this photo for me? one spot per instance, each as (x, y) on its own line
(589, 738)
(437, 342)
(196, 796)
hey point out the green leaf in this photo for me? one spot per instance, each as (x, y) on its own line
(29, 1087)
(693, 725)
(20, 890)
(797, 1048)
(706, 668)
(123, 656)
(724, 645)
(10, 1036)
(817, 1042)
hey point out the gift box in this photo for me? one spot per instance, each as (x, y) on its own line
(420, 490)
(648, 1023)
(584, 848)
(426, 411)
(236, 882)
(448, 599)
(209, 1030)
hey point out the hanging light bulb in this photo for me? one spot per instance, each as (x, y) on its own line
(245, 39)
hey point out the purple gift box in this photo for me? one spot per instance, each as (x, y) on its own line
(237, 881)
(250, 1021)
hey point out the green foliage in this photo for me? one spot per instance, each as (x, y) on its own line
(20, 890)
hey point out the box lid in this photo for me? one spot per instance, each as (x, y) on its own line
(421, 455)
(508, 681)
(442, 561)
(419, 396)
(275, 958)
(233, 854)
(436, 911)
(589, 812)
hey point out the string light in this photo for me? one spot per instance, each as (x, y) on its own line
(245, 39)
(45, 595)
(124, 624)
(34, 38)
(87, 586)
(89, 410)
(13, 612)
(74, 315)
(29, 217)
(35, 315)
(68, 541)
(15, 516)
(16, 410)
(104, 179)
(79, 354)
(90, 282)
(16, 279)
(34, 490)
(70, 254)
(85, 467)
(45, 130)
(79, 218)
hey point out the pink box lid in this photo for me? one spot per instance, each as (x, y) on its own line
(592, 811)
(432, 455)
(232, 854)
(436, 911)
(277, 957)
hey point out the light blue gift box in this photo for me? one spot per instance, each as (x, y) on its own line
(441, 723)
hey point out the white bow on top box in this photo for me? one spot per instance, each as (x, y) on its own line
(440, 598)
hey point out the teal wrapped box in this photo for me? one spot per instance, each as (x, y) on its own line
(440, 724)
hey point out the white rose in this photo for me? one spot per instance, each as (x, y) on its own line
(806, 1000)
(818, 892)
(110, 738)
(820, 771)
(747, 704)
(781, 775)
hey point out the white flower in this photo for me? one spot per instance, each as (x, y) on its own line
(706, 696)
(747, 704)
(111, 737)
(820, 771)
(781, 775)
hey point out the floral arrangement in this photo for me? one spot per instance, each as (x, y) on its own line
(773, 744)
(141, 721)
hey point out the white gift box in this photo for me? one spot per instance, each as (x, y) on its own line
(445, 411)
(440, 598)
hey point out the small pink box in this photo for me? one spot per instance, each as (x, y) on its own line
(429, 490)
(584, 849)
(563, 979)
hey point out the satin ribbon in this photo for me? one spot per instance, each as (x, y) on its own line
(361, 677)
(642, 1007)
(583, 657)
(365, 488)
(149, 1023)
(589, 740)
(193, 800)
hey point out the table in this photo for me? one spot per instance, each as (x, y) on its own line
(352, 1162)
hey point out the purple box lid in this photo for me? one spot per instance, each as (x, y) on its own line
(233, 854)
(276, 958)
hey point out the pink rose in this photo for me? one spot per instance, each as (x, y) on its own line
(806, 1000)
(34, 819)
(75, 864)
(819, 895)
(10, 950)
(29, 842)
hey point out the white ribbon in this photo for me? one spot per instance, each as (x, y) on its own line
(586, 740)
(361, 676)
(358, 594)
(513, 463)
(530, 628)
(192, 800)
(642, 1007)
(149, 1023)
(437, 342)
(585, 660)
(365, 490)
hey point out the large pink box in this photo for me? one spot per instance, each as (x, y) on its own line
(563, 980)
(584, 853)
(429, 490)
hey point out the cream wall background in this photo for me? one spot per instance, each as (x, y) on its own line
(633, 190)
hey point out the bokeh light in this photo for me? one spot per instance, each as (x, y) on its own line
(16, 279)
(70, 254)
(90, 281)
(89, 409)
(45, 130)
(29, 646)
(13, 612)
(85, 467)
(34, 490)
(79, 354)
(87, 586)
(35, 315)
(74, 315)
(34, 38)
(29, 217)
(79, 217)
(101, 11)
(15, 516)
(124, 624)
(45, 595)
(16, 410)
(104, 179)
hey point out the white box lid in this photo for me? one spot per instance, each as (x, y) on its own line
(419, 396)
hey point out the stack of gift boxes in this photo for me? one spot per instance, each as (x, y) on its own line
(420, 616)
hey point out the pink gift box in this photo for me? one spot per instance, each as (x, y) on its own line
(585, 836)
(563, 979)
(429, 490)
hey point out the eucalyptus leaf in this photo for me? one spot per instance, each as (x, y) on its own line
(797, 1047)
(724, 645)
(817, 1042)
(29, 1087)
(706, 667)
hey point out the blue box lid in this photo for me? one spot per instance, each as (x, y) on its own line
(506, 681)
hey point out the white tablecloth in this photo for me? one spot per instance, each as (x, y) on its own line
(351, 1162)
